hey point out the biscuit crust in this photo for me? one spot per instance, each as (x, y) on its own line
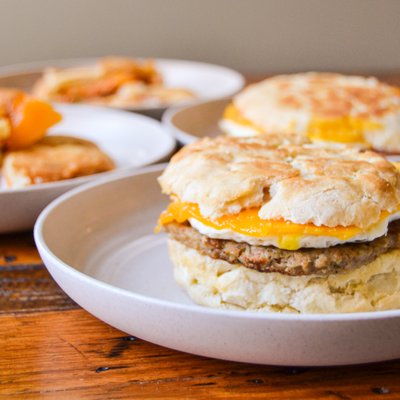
(52, 159)
(324, 95)
(322, 185)
(291, 103)
(219, 284)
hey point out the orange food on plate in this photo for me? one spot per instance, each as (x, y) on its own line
(24, 120)
(112, 81)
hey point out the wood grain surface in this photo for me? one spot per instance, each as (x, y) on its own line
(52, 349)
(72, 355)
(25, 284)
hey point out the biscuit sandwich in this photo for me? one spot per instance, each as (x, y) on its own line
(324, 107)
(111, 81)
(53, 158)
(265, 224)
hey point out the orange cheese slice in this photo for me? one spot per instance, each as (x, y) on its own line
(344, 130)
(231, 113)
(248, 223)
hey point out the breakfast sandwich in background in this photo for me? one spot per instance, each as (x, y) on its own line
(30, 157)
(53, 158)
(274, 226)
(324, 107)
(112, 81)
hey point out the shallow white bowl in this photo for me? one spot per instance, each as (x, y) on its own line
(207, 81)
(189, 123)
(98, 243)
(131, 140)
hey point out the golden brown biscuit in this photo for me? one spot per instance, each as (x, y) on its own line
(216, 283)
(52, 159)
(322, 185)
(321, 106)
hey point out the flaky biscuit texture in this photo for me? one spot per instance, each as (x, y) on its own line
(288, 103)
(219, 284)
(319, 184)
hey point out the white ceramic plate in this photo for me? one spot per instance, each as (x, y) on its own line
(192, 122)
(207, 81)
(98, 243)
(130, 140)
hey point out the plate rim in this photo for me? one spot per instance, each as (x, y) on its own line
(192, 308)
(171, 145)
(180, 135)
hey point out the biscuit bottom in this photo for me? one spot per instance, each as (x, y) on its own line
(219, 284)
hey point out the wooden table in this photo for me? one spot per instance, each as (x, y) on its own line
(52, 349)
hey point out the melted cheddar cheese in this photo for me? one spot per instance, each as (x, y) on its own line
(233, 114)
(29, 120)
(343, 130)
(247, 222)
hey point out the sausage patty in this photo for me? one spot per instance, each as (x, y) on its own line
(303, 261)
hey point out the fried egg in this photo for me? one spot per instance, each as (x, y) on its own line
(247, 227)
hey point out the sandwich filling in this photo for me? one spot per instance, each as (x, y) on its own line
(248, 227)
(301, 262)
(280, 246)
(344, 129)
(287, 249)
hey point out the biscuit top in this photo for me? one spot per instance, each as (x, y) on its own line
(52, 159)
(322, 185)
(286, 98)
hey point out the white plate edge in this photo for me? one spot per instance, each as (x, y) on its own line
(19, 68)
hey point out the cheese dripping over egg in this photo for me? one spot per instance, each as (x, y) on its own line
(248, 223)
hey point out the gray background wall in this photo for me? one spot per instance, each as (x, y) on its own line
(249, 35)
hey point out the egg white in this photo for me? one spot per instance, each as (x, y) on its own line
(305, 241)
(388, 137)
(237, 130)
